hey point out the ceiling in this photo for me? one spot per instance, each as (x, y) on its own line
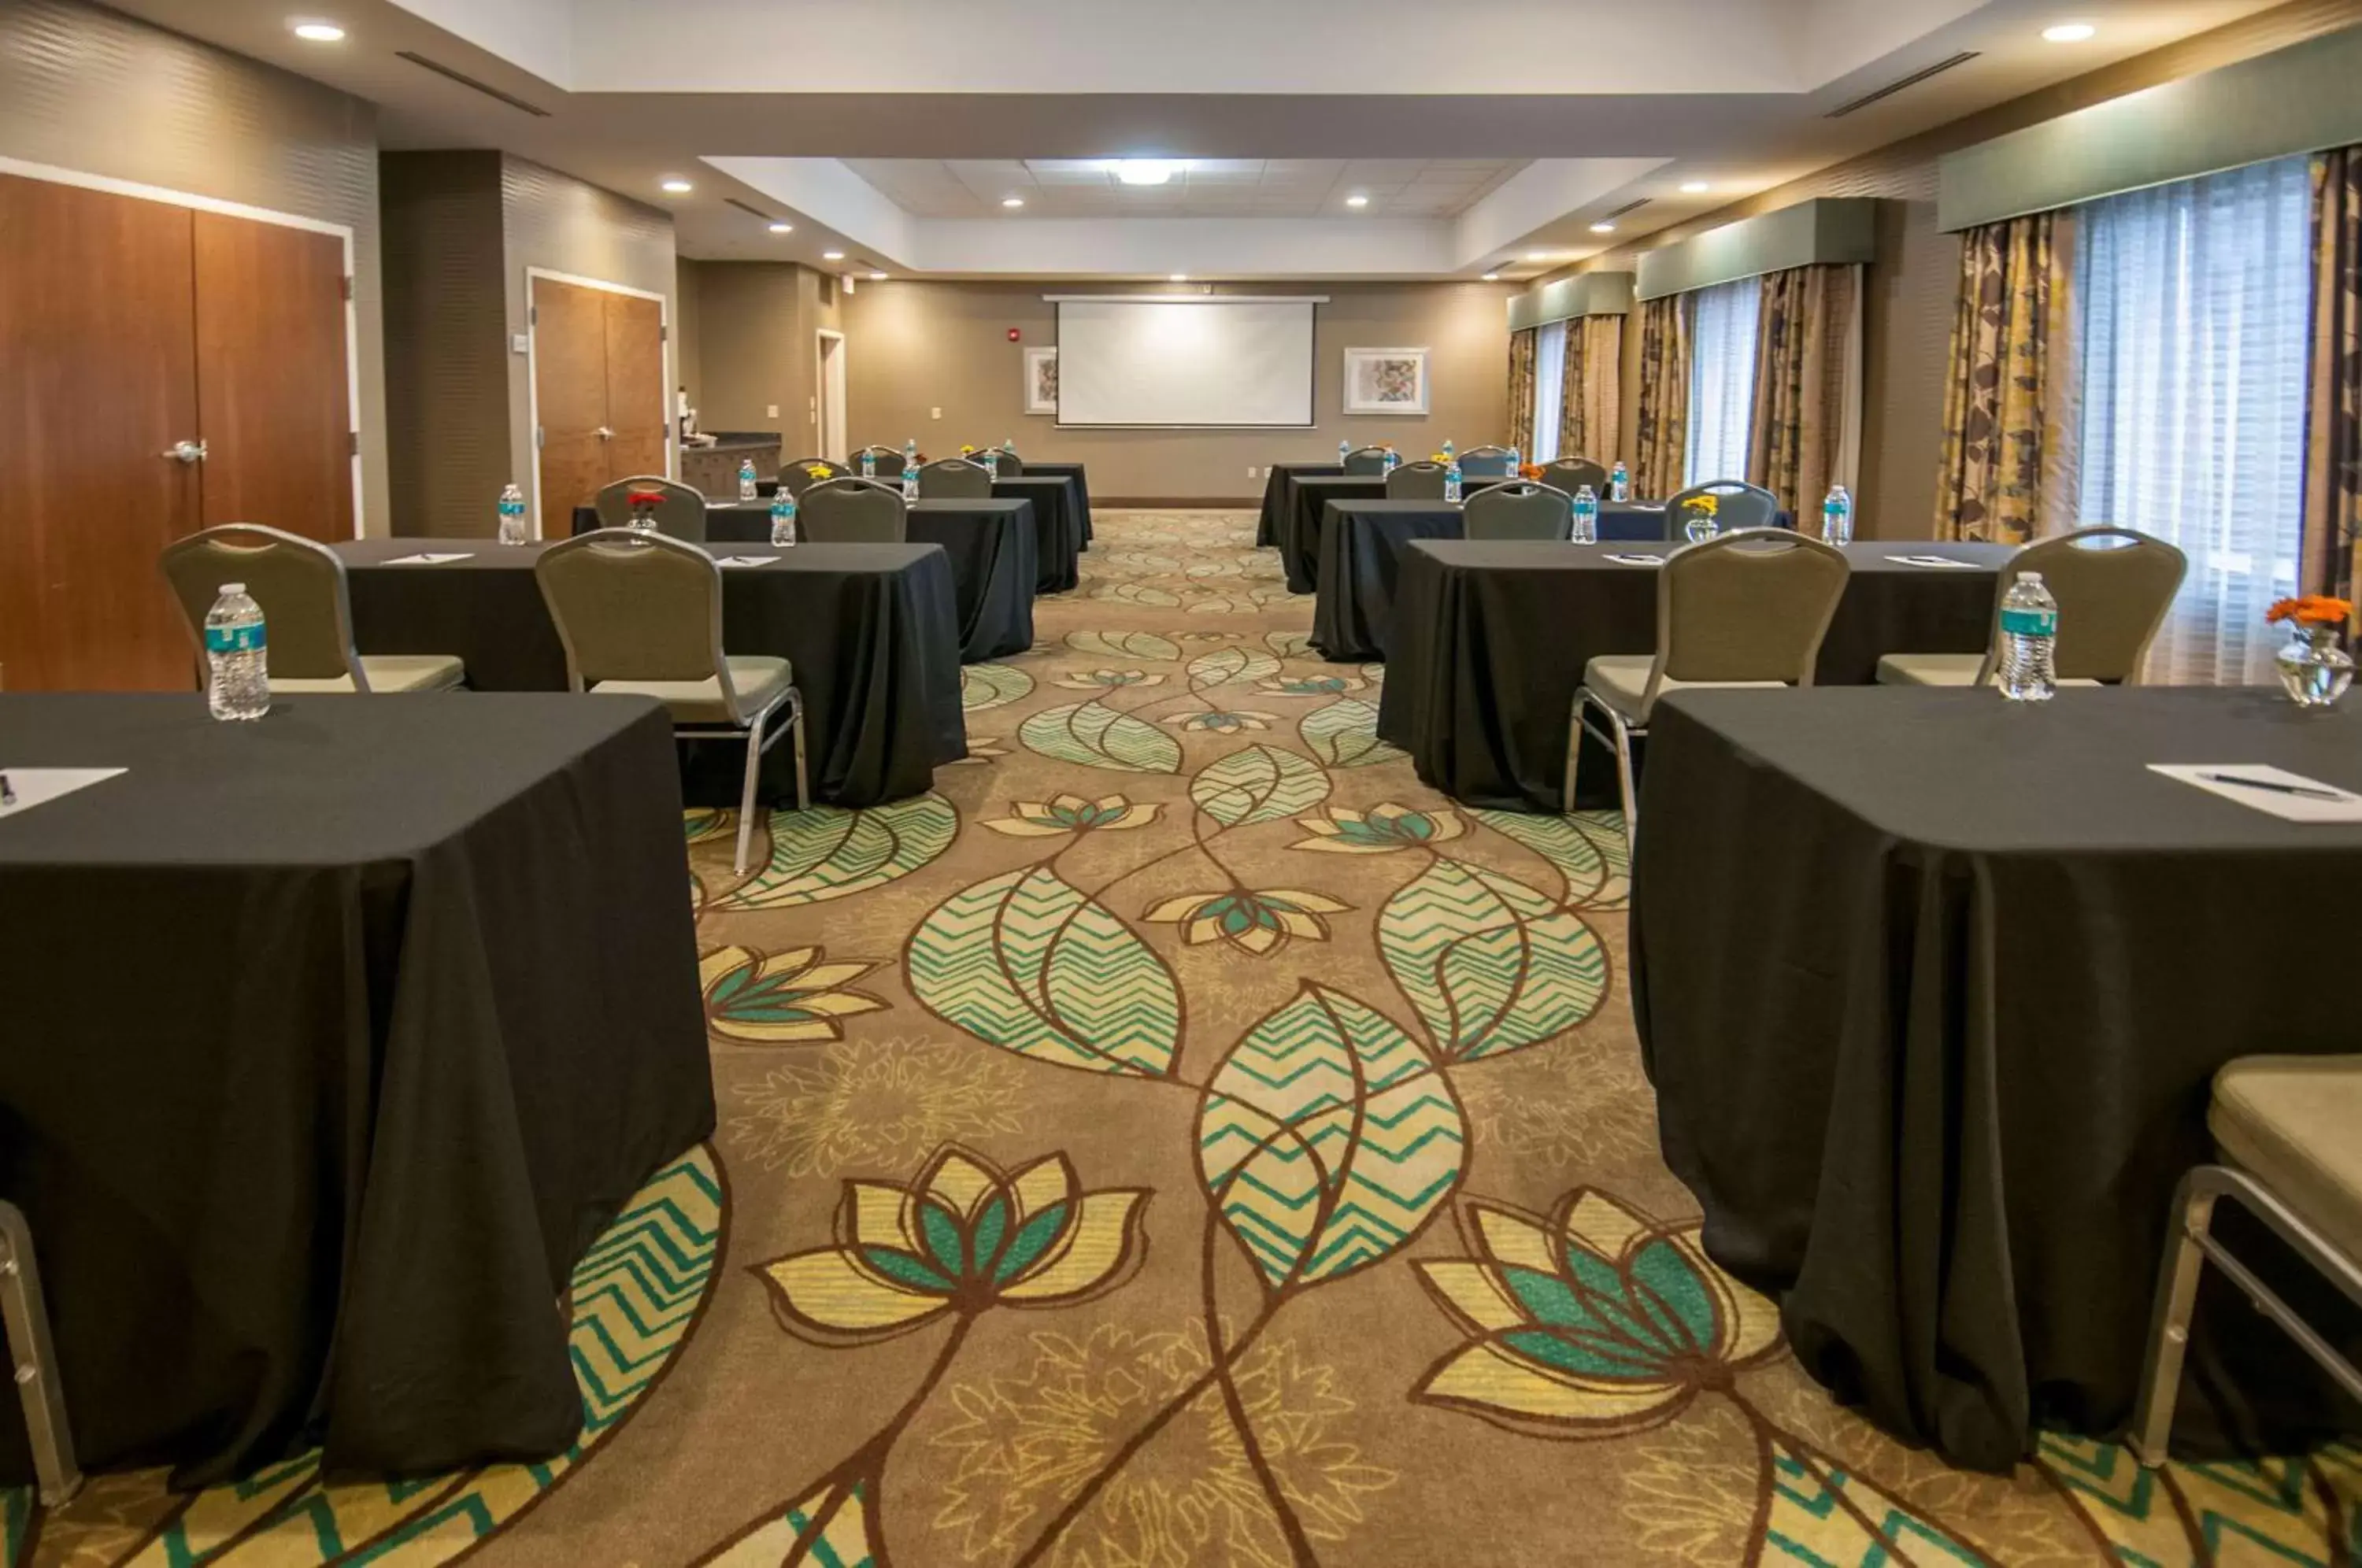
(1489, 137)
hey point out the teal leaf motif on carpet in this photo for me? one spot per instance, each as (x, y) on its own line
(1124, 644)
(834, 852)
(985, 686)
(1096, 735)
(1226, 664)
(1345, 734)
(1492, 965)
(1260, 784)
(1588, 849)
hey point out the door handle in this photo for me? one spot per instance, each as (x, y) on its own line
(187, 452)
(605, 434)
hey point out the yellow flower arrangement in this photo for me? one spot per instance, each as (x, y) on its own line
(820, 471)
(1704, 506)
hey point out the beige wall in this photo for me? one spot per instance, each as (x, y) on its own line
(97, 93)
(688, 373)
(755, 347)
(447, 391)
(915, 347)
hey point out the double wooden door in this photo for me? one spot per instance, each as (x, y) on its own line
(598, 390)
(161, 371)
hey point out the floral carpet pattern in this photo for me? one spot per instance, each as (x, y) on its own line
(1182, 1139)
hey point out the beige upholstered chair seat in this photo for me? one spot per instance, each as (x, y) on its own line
(2290, 1121)
(759, 681)
(1622, 681)
(1939, 669)
(386, 672)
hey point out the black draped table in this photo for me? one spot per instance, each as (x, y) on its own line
(332, 1042)
(1360, 554)
(1490, 639)
(1058, 506)
(1279, 496)
(871, 629)
(992, 546)
(1932, 986)
(1302, 526)
(1079, 490)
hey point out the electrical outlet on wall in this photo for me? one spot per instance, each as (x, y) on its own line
(1251, 470)
(935, 413)
(770, 410)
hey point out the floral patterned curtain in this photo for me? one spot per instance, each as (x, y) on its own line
(2007, 422)
(1522, 349)
(1591, 397)
(1660, 441)
(1807, 385)
(2332, 486)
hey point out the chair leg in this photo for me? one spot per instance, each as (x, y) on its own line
(1573, 755)
(746, 794)
(37, 1385)
(795, 739)
(2169, 1344)
(1624, 777)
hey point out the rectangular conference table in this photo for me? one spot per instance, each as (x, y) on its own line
(1079, 492)
(333, 1039)
(871, 629)
(1932, 986)
(1279, 496)
(991, 545)
(1490, 640)
(1062, 519)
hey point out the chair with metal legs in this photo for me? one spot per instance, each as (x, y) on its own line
(27, 1323)
(2286, 1125)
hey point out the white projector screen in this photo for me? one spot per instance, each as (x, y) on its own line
(1183, 362)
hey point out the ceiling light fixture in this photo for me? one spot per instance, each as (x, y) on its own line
(1490, 278)
(832, 255)
(1536, 255)
(877, 277)
(319, 32)
(2069, 32)
(679, 187)
(1603, 229)
(1694, 187)
(1143, 170)
(1179, 278)
(1012, 202)
(1357, 201)
(783, 228)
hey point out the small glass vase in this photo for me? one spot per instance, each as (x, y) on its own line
(1700, 526)
(2314, 668)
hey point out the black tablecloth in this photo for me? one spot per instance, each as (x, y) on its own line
(1361, 552)
(332, 1040)
(1058, 506)
(1279, 496)
(871, 631)
(1490, 639)
(1081, 491)
(1299, 544)
(992, 546)
(1932, 986)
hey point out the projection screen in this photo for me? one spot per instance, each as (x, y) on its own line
(1185, 360)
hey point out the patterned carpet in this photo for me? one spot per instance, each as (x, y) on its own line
(1183, 1139)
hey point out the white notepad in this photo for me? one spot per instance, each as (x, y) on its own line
(36, 786)
(1635, 559)
(744, 560)
(2321, 804)
(1939, 562)
(430, 559)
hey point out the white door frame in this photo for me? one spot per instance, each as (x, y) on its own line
(822, 377)
(54, 175)
(532, 373)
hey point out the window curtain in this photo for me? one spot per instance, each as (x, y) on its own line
(1551, 340)
(1807, 424)
(2333, 480)
(1660, 439)
(2008, 450)
(1722, 323)
(1522, 348)
(1591, 388)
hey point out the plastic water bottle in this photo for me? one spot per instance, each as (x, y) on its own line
(512, 528)
(909, 454)
(783, 518)
(992, 462)
(1514, 464)
(1391, 459)
(1619, 484)
(1009, 446)
(910, 481)
(1344, 450)
(2029, 637)
(745, 478)
(1586, 517)
(1836, 516)
(238, 656)
(1450, 453)
(868, 465)
(1452, 479)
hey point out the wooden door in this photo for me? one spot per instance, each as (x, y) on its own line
(97, 379)
(272, 395)
(569, 348)
(636, 386)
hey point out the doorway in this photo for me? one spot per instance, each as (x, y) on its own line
(830, 410)
(597, 371)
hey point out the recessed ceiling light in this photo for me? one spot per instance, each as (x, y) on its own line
(1143, 170)
(1536, 255)
(783, 228)
(1357, 201)
(1603, 229)
(1012, 202)
(2069, 32)
(319, 32)
(1180, 277)
(1490, 278)
(679, 187)
(832, 255)
(1694, 187)
(877, 277)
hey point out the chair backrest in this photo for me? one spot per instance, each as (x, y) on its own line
(1737, 504)
(680, 515)
(1416, 482)
(798, 477)
(630, 606)
(1486, 462)
(854, 511)
(1518, 511)
(1366, 462)
(1005, 462)
(1748, 605)
(889, 461)
(1571, 474)
(307, 610)
(2111, 599)
(955, 478)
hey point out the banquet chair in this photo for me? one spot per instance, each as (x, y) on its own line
(2111, 599)
(1487, 462)
(56, 1476)
(854, 511)
(1366, 462)
(1571, 474)
(889, 461)
(641, 617)
(2284, 1126)
(680, 515)
(1741, 609)
(307, 612)
(955, 478)
(798, 477)
(1737, 504)
(1416, 482)
(1518, 511)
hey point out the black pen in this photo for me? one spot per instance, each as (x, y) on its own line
(8, 793)
(2305, 789)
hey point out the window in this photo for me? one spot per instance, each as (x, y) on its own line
(1722, 380)
(1550, 392)
(2194, 300)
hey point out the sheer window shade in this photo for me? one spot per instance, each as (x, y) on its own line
(2194, 300)
(1722, 380)
(1550, 392)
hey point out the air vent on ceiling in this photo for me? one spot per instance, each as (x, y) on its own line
(1891, 88)
(1611, 215)
(464, 79)
(752, 211)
